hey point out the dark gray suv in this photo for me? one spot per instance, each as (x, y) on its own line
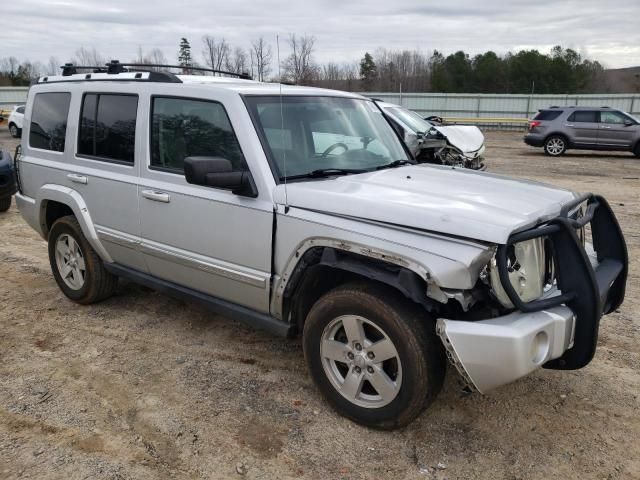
(557, 129)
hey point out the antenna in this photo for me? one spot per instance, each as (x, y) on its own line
(284, 150)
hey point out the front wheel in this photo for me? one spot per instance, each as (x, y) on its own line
(555, 146)
(373, 354)
(14, 131)
(76, 266)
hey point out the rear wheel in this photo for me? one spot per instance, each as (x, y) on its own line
(5, 203)
(373, 354)
(555, 145)
(76, 266)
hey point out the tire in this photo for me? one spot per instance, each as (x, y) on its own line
(5, 203)
(636, 151)
(14, 131)
(555, 145)
(89, 285)
(416, 368)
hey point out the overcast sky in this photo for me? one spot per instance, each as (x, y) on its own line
(605, 30)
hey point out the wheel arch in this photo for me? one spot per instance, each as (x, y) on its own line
(55, 201)
(557, 134)
(323, 267)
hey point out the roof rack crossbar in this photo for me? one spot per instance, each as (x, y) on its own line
(114, 67)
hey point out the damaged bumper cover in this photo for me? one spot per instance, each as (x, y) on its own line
(559, 331)
(490, 353)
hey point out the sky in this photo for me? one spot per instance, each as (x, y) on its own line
(607, 31)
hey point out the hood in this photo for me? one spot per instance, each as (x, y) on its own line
(466, 138)
(461, 202)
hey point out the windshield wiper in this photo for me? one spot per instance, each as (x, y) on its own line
(325, 172)
(394, 164)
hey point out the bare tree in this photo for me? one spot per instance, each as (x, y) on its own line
(215, 53)
(237, 62)
(91, 57)
(53, 66)
(154, 57)
(261, 58)
(299, 66)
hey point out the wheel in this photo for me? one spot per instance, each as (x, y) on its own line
(636, 151)
(76, 266)
(373, 354)
(14, 131)
(555, 146)
(5, 203)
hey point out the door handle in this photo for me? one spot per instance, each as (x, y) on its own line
(75, 178)
(156, 196)
(604, 126)
(568, 125)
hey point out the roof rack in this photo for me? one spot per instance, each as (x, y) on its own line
(115, 67)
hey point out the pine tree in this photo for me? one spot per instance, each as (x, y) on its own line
(368, 71)
(184, 54)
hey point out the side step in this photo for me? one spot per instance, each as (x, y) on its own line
(222, 307)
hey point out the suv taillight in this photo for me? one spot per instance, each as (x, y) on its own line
(533, 124)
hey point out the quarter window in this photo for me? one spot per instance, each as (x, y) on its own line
(184, 128)
(108, 127)
(49, 121)
(583, 117)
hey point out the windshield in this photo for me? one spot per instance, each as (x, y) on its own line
(305, 135)
(411, 119)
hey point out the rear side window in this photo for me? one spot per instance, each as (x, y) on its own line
(49, 121)
(181, 128)
(583, 117)
(108, 127)
(548, 115)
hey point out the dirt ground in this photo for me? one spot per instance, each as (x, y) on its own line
(147, 387)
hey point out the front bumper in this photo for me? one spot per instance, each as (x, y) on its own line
(557, 331)
(490, 353)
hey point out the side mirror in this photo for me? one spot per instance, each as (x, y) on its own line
(628, 123)
(218, 172)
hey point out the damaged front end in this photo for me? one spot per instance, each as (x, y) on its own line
(551, 289)
(455, 146)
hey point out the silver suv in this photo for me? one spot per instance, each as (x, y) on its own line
(300, 211)
(558, 129)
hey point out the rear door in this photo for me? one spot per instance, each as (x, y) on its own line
(105, 168)
(613, 130)
(582, 127)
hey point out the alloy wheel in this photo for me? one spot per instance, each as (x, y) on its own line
(70, 262)
(361, 361)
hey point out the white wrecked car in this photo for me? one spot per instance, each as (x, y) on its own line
(456, 145)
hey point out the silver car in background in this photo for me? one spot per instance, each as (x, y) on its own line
(430, 142)
(557, 129)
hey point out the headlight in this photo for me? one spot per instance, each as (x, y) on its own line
(527, 270)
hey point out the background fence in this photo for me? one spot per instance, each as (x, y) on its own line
(500, 110)
(481, 109)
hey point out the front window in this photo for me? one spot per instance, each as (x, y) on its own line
(305, 136)
(411, 119)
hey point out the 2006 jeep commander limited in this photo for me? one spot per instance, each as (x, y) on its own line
(299, 210)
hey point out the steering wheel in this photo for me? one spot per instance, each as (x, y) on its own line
(334, 146)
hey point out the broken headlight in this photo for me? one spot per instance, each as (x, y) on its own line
(528, 271)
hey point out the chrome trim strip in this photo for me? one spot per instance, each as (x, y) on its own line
(186, 260)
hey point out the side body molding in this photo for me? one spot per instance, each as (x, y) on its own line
(71, 198)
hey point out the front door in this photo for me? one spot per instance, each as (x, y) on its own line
(582, 127)
(613, 130)
(204, 238)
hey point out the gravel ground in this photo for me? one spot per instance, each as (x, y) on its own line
(145, 386)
